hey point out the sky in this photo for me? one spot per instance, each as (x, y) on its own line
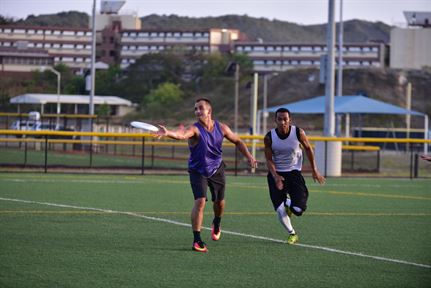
(298, 11)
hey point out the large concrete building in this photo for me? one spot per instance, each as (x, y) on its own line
(122, 40)
(24, 48)
(135, 43)
(273, 57)
(411, 46)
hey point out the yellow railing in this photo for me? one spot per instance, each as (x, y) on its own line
(245, 137)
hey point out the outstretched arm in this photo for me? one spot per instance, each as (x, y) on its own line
(426, 157)
(310, 154)
(240, 145)
(182, 134)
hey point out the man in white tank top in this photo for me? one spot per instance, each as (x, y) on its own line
(283, 154)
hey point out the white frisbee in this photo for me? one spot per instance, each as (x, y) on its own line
(144, 126)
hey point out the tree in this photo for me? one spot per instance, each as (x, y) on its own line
(148, 73)
(103, 110)
(107, 80)
(160, 100)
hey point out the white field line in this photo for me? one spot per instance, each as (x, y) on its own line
(224, 231)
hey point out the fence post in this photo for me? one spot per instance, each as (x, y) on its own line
(25, 153)
(326, 157)
(236, 161)
(416, 170)
(411, 160)
(152, 155)
(91, 152)
(378, 161)
(46, 153)
(143, 156)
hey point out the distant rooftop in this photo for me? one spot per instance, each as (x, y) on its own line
(418, 18)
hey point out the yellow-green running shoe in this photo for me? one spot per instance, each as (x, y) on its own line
(292, 239)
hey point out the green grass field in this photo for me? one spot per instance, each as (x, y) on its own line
(74, 230)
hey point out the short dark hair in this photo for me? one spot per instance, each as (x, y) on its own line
(204, 99)
(282, 110)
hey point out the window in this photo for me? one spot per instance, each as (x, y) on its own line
(354, 49)
(69, 33)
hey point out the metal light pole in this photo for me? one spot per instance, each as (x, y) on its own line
(265, 102)
(236, 97)
(254, 114)
(340, 69)
(329, 128)
(93, 59)
(340, 53)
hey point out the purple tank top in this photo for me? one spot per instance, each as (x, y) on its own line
(206, 155)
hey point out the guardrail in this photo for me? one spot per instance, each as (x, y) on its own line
(91, 139)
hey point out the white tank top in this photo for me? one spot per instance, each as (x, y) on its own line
(286, 154)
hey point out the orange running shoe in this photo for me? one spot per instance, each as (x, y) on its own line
(215, 236)
(200, 246)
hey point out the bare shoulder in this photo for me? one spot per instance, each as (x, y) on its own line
(225, 128)
(267, 140)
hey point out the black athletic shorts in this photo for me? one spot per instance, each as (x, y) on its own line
(216, 183)
(294, 185)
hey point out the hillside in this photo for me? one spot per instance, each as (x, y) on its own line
(71, 19)
(355, 31)
(273, 30)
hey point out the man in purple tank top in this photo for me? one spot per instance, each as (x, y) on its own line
(206, 167)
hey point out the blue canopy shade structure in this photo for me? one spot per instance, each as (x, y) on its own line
(356, 104)
(344, 105)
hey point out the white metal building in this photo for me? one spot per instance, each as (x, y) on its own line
(119, 106)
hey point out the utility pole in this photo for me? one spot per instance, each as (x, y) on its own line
(329, 123)
(93, 60)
